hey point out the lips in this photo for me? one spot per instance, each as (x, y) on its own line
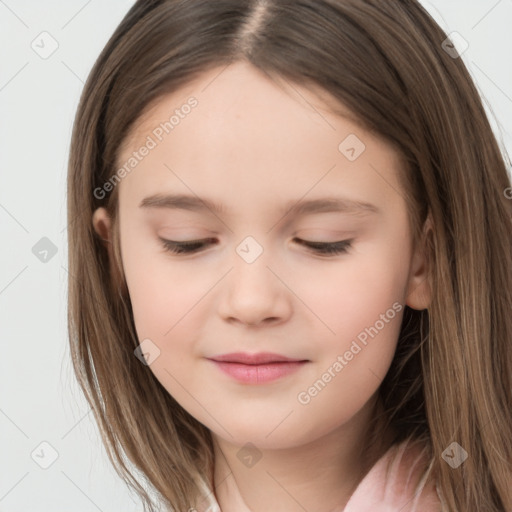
(257, 368)
(259, 358)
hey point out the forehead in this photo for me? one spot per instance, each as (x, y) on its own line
(248, 132)
(232, 91)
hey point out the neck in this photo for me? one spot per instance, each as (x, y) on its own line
(320, 475)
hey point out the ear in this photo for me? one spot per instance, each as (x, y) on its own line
(102, 224)
(419, 290)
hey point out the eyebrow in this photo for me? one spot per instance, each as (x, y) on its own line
(294, 207)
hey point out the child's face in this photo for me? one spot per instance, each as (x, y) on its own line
(252, 148)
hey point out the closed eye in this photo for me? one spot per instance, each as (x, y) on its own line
(327, 248)
(188, 247)
(193, 246)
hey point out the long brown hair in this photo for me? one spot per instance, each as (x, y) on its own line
(451, 377)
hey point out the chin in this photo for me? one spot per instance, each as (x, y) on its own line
(264, 436)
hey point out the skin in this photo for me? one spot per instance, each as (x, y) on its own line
(252, 146)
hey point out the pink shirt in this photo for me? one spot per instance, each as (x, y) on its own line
(378, 493)
(389, 485)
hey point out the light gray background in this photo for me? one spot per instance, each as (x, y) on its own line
(40, 401)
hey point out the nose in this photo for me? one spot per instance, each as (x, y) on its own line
(254, 294)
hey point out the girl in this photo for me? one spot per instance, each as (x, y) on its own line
(290, 244)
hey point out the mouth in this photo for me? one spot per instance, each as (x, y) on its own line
(257, 368)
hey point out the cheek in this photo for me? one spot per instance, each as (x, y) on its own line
(365, 315)
(361, 308)
(159, 292)
(350, 297)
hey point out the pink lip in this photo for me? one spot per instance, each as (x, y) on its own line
(259, 358)
(256, 368)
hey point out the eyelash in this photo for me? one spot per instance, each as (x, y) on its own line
(323, 248)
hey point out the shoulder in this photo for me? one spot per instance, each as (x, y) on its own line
(398, 481)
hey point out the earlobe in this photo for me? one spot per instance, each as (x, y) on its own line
(102, 224)
(419, 292)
